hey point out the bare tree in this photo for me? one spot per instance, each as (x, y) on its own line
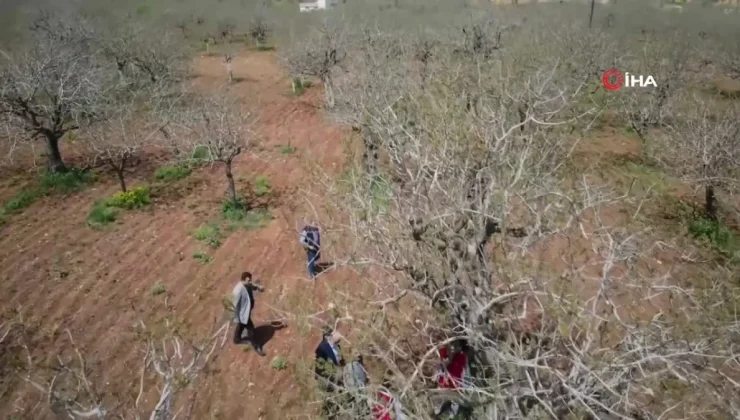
(259, 29)
(125, 134)
(703, 146)
(222, 125)
(54, 87)
(177, 362)
(319, 56)
(453, 211)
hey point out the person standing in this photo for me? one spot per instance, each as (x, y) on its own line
(311, 241)
(243, 304)
(328, 374)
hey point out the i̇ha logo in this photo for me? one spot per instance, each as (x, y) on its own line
(614, 79)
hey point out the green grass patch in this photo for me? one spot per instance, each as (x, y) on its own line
(101, 214)
(23, 199)
(172, 173)
(210, 234)
(200, 154)
(158, 289)
(3, 217)
(287, 149)
(716, 233)
(257, 218)
(132, 199)
(380, 192)
(74, 180)
(265, 48)
(262, 186)
(646, 176)
(67, 182)
(202, 257)
(278, 363)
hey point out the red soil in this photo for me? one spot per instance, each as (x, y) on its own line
(64, 275)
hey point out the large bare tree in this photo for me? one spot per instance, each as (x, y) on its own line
(55, 86)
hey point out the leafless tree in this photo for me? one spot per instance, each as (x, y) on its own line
(178, 362)
(319, 56)
(55, 86)
(453, 210)
(259, 29)
(126, 132)
(222, 125)
(703, 146)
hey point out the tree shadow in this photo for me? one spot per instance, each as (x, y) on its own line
(264, 333)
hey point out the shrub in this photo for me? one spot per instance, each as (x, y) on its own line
(101, 215)
(287, 149)
(22, 199)
(202, 257)
(200, 154)
(257, 218)
(262, 185)
(158, 289)
(67, 182)
(172, 173)
(209, 233)
(132, 199)
(714, 231)
(234, 212)
(278, 363)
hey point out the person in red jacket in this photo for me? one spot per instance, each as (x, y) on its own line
(453, 373)
(386, 406)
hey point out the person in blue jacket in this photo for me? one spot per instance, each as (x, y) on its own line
(311, 241)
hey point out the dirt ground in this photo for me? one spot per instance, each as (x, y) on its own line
(63, 275)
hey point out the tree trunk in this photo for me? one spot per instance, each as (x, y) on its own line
(121, 180)
(328, 92)
(232, 186)
(710, 202)
(591, 15)
(55, 162)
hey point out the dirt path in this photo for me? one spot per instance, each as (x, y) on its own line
(64, 275)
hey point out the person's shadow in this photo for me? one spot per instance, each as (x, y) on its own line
(264, 333)
(323, 266)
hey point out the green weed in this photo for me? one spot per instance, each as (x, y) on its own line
(299, 85)
(209, 233)
(132, 199)
(265, 48)
(202, 257)
(101, 215)
(23, 199)
(287, 149)
(262, 185)
(200, 154)
(172, 173)
(278, 363)
(158, 289)
(715, 232)
(67, 182)
(257, 218)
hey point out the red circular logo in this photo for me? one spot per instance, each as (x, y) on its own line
(618, 79)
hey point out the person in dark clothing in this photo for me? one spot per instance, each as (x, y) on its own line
(311, 241)
(243, 294)
(328, 368)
